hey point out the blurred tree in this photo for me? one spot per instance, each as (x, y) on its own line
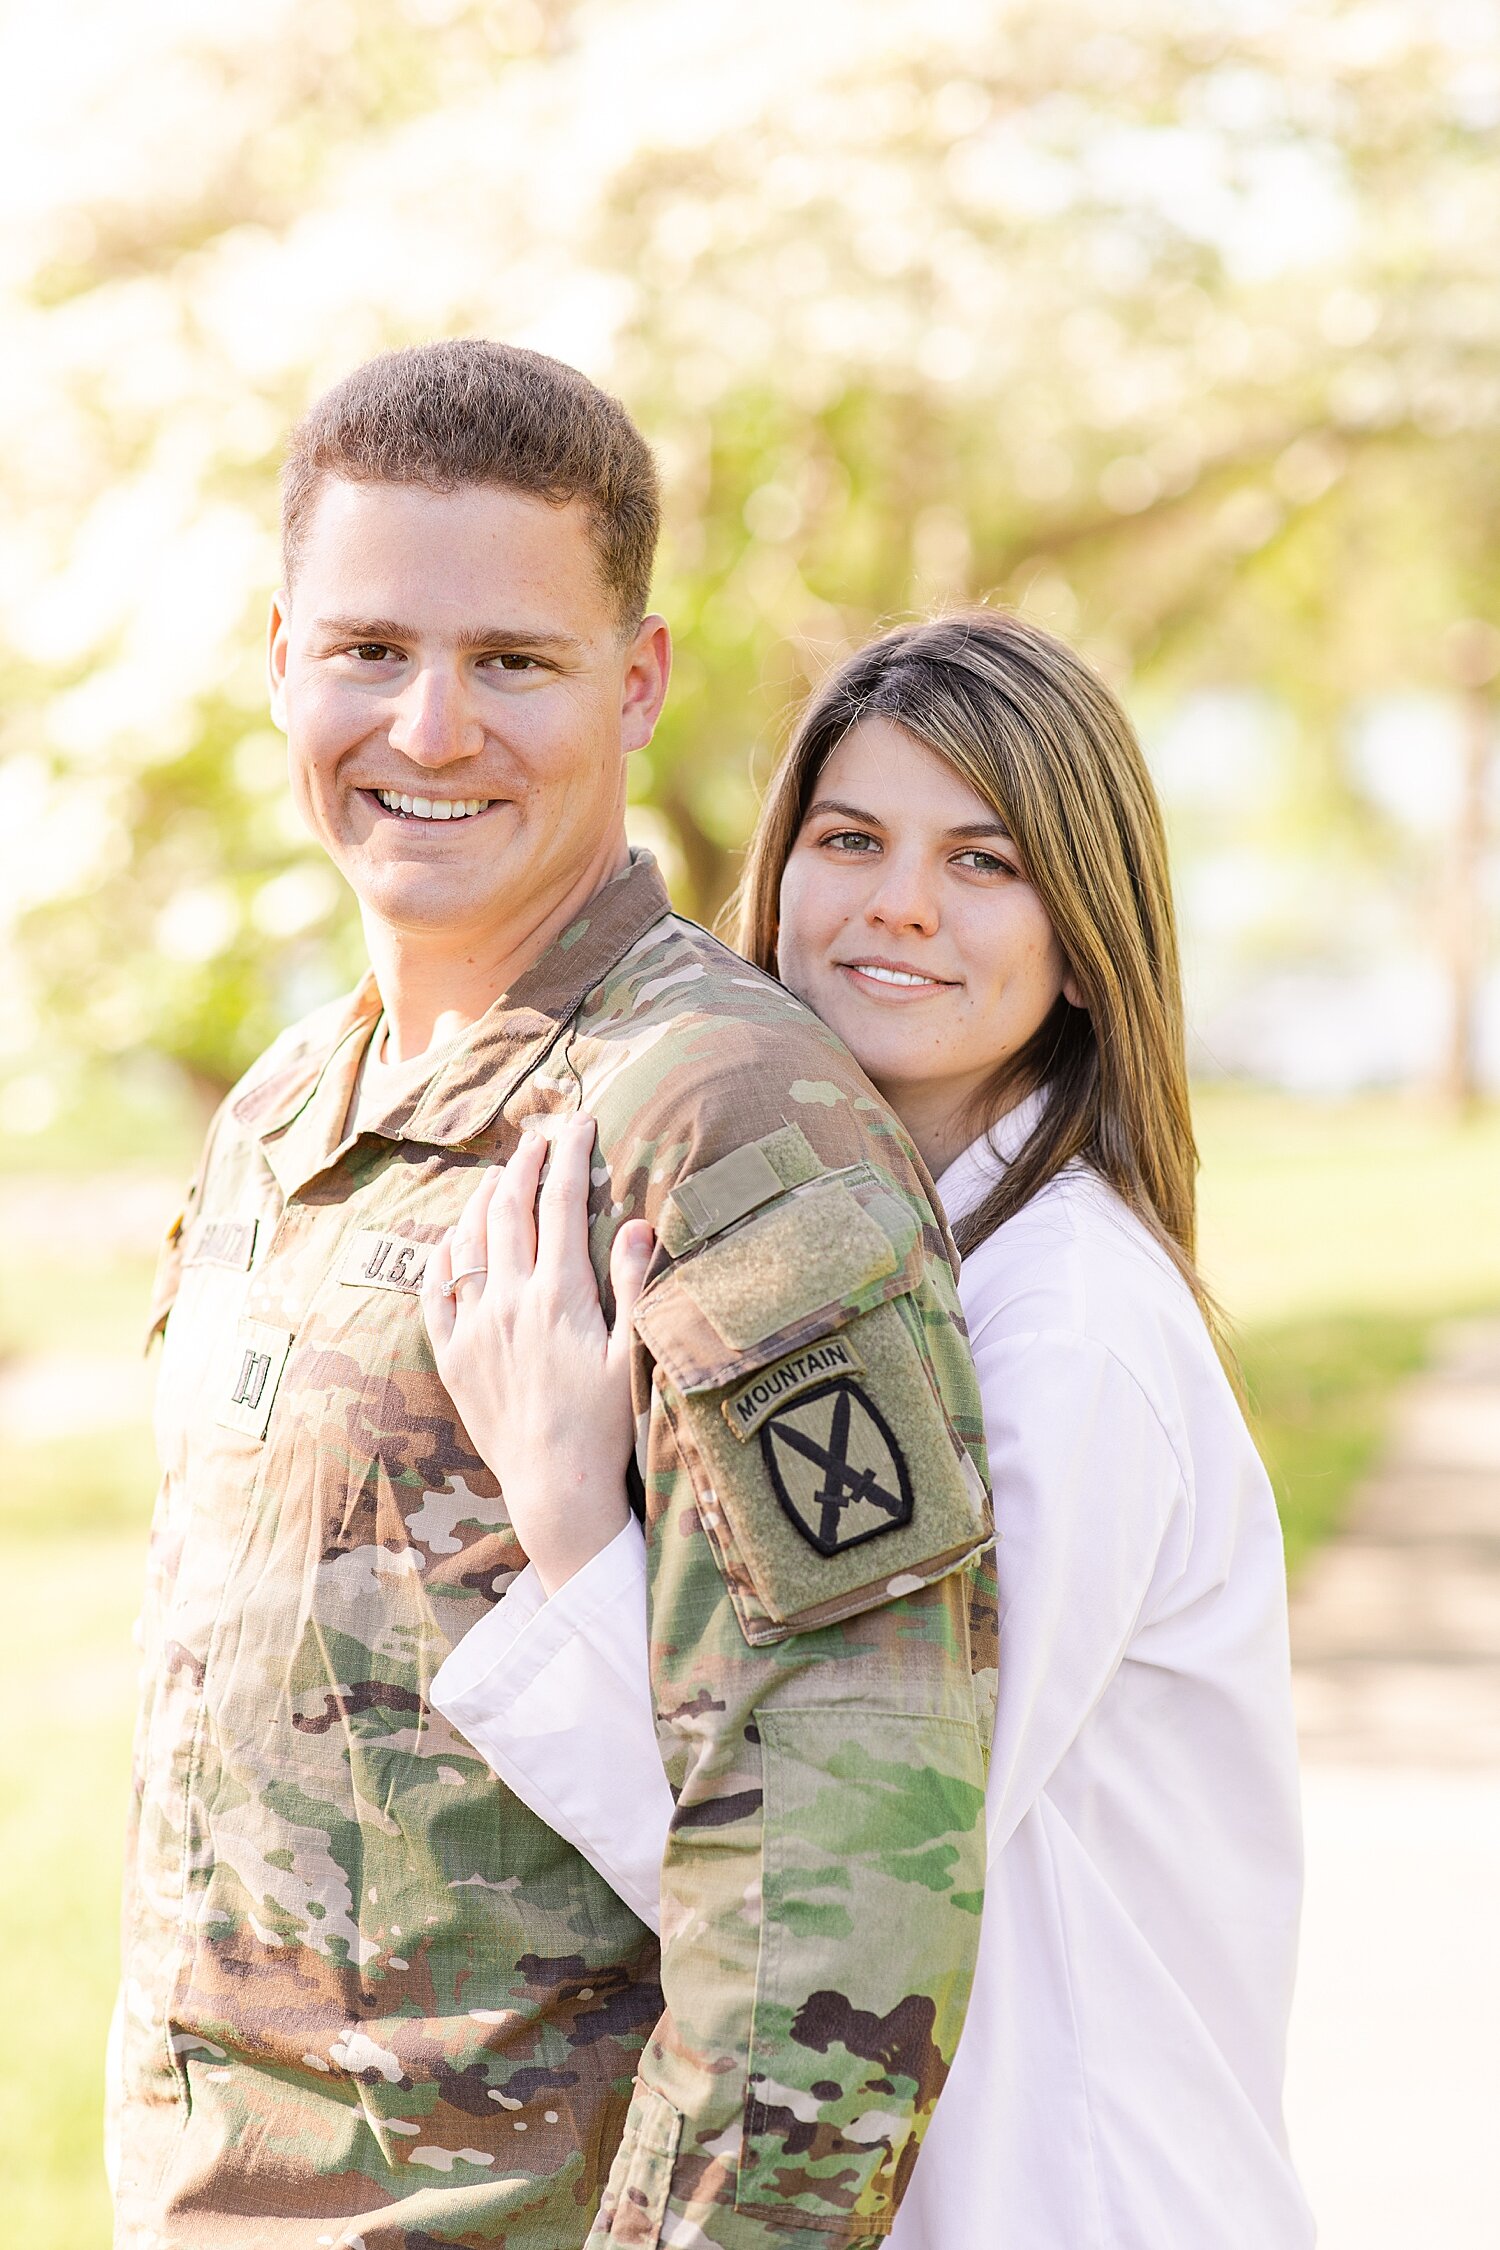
(1179, 331)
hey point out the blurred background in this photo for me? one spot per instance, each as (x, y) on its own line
(1174, 325)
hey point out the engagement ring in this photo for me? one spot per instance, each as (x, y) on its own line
(469, 1273)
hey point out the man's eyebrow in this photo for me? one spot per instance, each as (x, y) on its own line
(523, 638)
(993, 826)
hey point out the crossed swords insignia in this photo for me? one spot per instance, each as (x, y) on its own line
(861, 1487)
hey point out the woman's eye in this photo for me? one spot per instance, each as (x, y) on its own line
(851, 840)
(986, 863)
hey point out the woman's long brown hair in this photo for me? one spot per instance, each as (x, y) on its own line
(1041, 740)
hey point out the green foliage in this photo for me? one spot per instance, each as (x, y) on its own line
(1179, 333)
(214, 925)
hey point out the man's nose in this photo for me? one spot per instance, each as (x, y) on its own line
(434, 724)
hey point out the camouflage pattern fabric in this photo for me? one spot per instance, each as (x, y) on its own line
(370, 2000)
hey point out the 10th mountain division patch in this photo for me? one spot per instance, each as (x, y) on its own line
(836, 1469)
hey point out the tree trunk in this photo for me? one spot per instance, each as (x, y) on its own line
(1465, 904)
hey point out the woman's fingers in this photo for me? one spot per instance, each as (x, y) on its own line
(562, 1239)
(510, 1234)
(439, 1309)
(628, 1260)
(466, 1243)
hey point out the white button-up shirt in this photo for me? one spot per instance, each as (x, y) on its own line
(1118, 2085)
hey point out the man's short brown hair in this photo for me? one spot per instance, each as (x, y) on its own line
(469, 411)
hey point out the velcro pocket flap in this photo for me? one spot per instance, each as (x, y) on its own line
(819, 1257)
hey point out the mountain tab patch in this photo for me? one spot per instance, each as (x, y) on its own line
(746, 1408)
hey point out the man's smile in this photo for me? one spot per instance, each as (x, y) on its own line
(430, 808)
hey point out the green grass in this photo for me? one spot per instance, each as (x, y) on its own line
(1384, 1205)
(1319, 1393)
(66, 1306)
(97, 1484)
(1338, 1237)
(69, 1680)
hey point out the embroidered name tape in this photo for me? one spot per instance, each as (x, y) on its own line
(384, 1261)
(255, 1365)
(748, 1407)
(222, 1242)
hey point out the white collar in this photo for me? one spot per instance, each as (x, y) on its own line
(969, 1178)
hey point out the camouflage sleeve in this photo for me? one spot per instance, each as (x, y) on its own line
(819, 1625)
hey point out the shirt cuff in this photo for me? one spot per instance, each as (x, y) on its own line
(556, 1696)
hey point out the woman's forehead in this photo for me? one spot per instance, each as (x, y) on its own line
(880, 769)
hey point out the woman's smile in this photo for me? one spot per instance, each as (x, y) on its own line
(894, 980)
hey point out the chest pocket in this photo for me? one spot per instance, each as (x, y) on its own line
(793, 1363)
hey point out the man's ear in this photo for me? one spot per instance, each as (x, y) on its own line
(276, 654)
(648, 668)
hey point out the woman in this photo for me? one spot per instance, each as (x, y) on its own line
(961, 867)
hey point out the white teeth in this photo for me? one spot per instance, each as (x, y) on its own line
(433, 808)
(890, 976)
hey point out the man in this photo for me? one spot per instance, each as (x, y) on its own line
(370, 1999)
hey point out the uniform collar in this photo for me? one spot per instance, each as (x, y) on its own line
(297, 1113)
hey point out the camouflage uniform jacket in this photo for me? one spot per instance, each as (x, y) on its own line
(371, 1999)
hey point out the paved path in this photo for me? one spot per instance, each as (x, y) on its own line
(1394, 2088)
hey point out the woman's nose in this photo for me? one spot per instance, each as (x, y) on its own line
(904, 899)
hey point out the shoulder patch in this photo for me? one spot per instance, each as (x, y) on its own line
(837, 1470)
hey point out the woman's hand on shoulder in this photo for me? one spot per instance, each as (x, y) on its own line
(543, 1386)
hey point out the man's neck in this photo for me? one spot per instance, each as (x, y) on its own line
(435, 983)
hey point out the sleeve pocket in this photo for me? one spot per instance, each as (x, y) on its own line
(874, 1860)
(635, 2202)
(795, 1364)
